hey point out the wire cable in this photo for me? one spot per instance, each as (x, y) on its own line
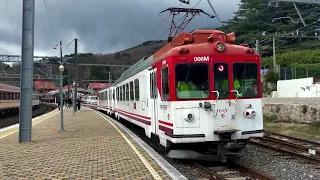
(68, 45)
(158, 26)
(178, 20)
(54, 34)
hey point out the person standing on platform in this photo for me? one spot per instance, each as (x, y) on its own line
(79, 104)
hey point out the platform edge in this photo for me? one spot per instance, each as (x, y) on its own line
(167, 167)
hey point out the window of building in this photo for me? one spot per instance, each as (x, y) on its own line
(245, 77)
(192, 81)
(165, 83)
(131, 91)
(136, 90)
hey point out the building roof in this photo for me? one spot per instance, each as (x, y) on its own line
(5, 87)
(98, 85)
(38, 84)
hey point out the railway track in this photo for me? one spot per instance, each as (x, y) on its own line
(305, 149)
(13, 119)
(232, 171)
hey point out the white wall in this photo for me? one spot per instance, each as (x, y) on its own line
(292, 88)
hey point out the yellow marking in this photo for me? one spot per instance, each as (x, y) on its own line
(17, 129)
(144, 161)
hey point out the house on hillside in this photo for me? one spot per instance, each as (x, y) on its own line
(95, 87)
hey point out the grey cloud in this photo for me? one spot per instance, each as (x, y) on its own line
(102, 25)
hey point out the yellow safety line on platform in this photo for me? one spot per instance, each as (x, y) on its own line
(16, 130)
(144, 161)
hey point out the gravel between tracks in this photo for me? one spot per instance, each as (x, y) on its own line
(14, 119)
(278, 165)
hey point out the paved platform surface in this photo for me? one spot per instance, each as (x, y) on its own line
(91, 148)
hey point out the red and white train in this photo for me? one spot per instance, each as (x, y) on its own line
(10, 99)
(199, 96)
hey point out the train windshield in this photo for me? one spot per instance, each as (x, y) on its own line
(245, 76)
(192, 81)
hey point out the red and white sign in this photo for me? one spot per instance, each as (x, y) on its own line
(220, 68)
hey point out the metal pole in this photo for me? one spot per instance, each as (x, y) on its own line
(68, 84)
(257, 46)
(215, 13)
(76, 77)
(61, 95)
(304, 24)
(274, 53)
(26, 79)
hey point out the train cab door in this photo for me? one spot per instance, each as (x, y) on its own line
(153, 101)
(223, 109)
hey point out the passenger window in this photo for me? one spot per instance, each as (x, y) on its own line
(221, 79)
(127, 92)
(192, 81)
(131, 91)
(136, 89)
(165, 83)
(245, 77)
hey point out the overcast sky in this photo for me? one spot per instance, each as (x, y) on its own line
(104, 26)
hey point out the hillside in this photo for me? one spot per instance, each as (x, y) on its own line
(124, 57)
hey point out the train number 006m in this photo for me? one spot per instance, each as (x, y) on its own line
(202, 58)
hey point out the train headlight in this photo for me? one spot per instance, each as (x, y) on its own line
(188, 117)
(249, 113)
(220, 46)
(207, 106)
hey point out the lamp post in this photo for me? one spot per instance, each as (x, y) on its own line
(61, 69)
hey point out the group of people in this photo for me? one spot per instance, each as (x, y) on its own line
(68, 103)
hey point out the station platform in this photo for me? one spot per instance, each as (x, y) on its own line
(93, 146)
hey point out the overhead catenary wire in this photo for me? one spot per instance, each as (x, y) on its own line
(178, 20)
(158, 26)
(54, 34)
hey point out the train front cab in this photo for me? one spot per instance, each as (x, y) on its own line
(215, 112)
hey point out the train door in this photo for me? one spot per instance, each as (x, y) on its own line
(221, 76)
(153, 100)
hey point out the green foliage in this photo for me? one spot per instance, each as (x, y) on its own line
(271, 77)
(255, 16)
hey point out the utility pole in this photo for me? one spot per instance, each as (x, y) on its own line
(68, 96)
(76, 77)
(257, 46)
(26, 79)
(274, 53)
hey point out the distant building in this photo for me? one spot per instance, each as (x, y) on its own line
(43, 87)
(95, 87)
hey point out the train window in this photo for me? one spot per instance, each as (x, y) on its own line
(131, 91)
(120, 93)
(221, 79)
(117, 90)
(192, 81)
(245, 76)
(136, 89)
(127, 92)
(165, 83)
(123, 92)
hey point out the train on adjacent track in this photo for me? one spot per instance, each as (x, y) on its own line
(199, 96)
(10, 99)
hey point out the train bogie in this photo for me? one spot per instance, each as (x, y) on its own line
(193, 99)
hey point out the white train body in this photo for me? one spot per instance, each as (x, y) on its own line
(147, 95)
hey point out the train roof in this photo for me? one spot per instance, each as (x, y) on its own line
(198, 42)
(10, 88)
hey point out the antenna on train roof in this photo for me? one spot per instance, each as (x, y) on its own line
(175, 28)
